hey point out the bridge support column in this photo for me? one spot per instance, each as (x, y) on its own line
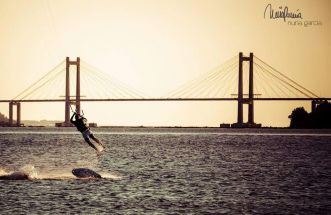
(78, 86)
(315, 103)
(240, 91)
(67, 102)
(18, 114)
(67, 96)
(247, 100)
(11, 113)
(250, 92)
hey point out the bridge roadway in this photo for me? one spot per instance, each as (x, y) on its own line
(166, 99)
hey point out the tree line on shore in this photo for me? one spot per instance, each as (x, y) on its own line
(4, 121)
(300, 118)
(319, 118)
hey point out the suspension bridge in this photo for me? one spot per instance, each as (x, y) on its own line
(241, 79)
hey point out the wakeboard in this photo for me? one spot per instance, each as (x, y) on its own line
(100, 146)
(85, 173)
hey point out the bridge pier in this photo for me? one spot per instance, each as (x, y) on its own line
(251, 93)
(67, 95)
(240, 116)
(241, 100)
(10, 113)
(315, 103)
(18, 114)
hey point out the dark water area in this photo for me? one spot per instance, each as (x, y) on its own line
(168, 171)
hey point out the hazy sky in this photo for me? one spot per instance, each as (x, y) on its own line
(155, 46)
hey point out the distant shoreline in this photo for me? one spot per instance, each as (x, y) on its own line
(151, 127)
(171, 129)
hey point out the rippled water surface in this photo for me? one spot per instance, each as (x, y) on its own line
(172, 171)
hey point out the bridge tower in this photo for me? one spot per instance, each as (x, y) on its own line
(247, 100)
(67, 94)
(18, 113)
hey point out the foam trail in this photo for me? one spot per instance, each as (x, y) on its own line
(3, 172)
(29, 170)
(55, 175)
(52, 174)
(110, 176)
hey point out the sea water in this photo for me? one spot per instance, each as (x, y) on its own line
(168, 171)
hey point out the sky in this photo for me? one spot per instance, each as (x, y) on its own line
(157, 45)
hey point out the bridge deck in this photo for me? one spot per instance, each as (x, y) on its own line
(166, 99)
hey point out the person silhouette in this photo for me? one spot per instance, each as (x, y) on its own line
(81, 124)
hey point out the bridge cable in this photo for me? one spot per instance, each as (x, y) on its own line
(287, 78)
(207, 82)
(265, 82)
(39, 80)
(40, 86)
(280, 79)
(114, 92)
(124, 87)
(198, 81)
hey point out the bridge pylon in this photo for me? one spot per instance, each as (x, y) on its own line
(241, 100)
(67, 94)
(18, 113)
